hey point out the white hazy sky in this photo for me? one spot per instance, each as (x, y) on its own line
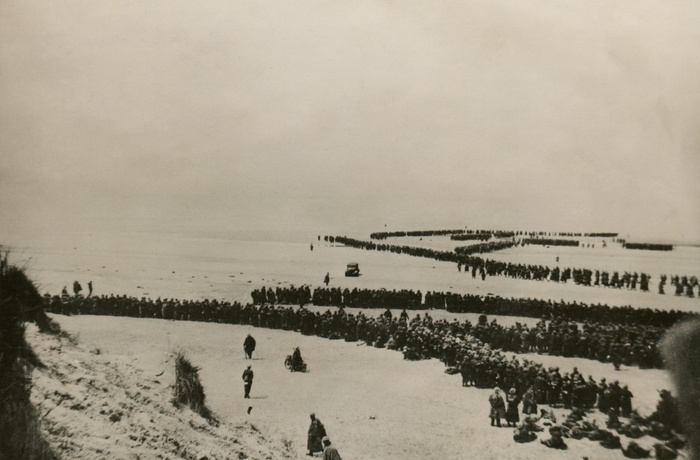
(541, 115)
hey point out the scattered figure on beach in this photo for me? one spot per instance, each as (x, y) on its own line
(312, 247)
(89, 288)
(327, 279)
(77, 288)
(329, 452)
(247, 382)
(556, 440)
(498, 407)
(529, 402)
(294, 362)
(249, 346)
(316, 433)
(512, 417)
(64, 294)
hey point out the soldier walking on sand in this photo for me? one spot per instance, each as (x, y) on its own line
(247, 382)
(316, 433)
(249, 346)
(327, 279)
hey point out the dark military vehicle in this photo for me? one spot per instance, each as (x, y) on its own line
(353, 269)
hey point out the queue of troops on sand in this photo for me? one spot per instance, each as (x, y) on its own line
(419, 337)
(467, 303)
(631, 341)
(481, 268)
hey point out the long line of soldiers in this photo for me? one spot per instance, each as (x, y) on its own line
(487, 267)
(620, 342)
(470, 303)
(549, 242)
(496, 233)
(481, 248)
(418, 338)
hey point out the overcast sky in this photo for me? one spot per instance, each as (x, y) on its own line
(545, 114)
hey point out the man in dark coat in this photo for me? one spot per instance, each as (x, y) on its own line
(498, 407)
(247, 382)
(513, 400)
(249, 346)
(316, 433)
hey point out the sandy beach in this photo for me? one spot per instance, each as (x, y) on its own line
(374, 404)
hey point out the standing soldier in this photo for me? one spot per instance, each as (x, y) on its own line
(249, 346)
(247, 382)
(64, 294)
(77, 288)
(316, 433)
(498, 407)
(327, 279)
